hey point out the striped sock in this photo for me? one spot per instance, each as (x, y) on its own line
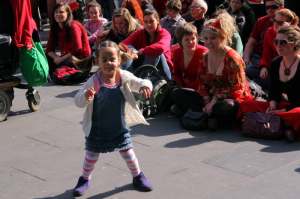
(131, 161)
(89, 164)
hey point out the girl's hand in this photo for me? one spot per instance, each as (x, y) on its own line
(57, 60)
(263, 73)
(89, 94)
(146, 92)
(209, 106)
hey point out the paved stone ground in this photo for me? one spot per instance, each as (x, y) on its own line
(41, 157)
(42, 152)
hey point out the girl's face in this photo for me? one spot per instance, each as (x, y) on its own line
(150, 23)
(283, 46)
(94, 13)
(121, 25)
(211, 40)
(60, 15)
(189, 41)
(109, 61)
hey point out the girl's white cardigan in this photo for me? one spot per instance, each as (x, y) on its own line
(130, 83)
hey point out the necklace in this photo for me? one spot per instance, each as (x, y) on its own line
(287, 70)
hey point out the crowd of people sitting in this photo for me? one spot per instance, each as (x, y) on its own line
(211, 50)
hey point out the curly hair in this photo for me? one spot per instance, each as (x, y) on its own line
(293, 35)
(291, 16)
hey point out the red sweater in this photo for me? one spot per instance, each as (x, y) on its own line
(78, 45)
(161, 44)
(269, 50)
(188, 76)
(259, 30)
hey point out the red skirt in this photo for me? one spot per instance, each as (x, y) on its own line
(290, 118)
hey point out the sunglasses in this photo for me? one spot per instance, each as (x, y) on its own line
(281, 42)
(273, 7)
(280, 23)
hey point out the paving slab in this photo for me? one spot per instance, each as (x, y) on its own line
(42, 152)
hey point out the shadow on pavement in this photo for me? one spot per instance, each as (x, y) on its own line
(16, 113)
(279, 146)
(200, 137)
(69, 94)
(160, 125)
(123, 188)
(66, 195)
(297, 170)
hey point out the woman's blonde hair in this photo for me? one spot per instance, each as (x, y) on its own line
(226, 23)
(131, 22)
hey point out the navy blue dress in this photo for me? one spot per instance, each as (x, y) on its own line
(109, 131)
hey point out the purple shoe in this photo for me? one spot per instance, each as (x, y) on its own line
(81, 187)
(141, 183)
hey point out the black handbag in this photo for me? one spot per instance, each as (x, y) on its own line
(262, 125)
(193, 120)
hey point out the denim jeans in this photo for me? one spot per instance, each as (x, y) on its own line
(131, 65)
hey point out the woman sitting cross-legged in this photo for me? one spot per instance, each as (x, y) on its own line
(223, 81)
(68, 47)
(187, 57)
(152, 44)
(284, 97)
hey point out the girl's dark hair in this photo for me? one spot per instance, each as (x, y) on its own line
(55, 29)
(94, 3)
(106, 44)
(152, 12)
(183, 30)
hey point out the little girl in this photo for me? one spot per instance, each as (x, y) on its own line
(105, 95)
(95, 23)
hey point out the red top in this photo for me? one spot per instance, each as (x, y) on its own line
(259, 30)
(231, 83)
(188, 76)
(23, 23)
(78, 45)
(269, 50)
(161, 44)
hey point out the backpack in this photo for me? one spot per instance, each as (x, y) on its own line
(193, 120)
(262, 125)
(159, 100)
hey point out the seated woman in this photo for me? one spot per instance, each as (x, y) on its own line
(284, 98)
(152, 44)
(282, 17)
(68, 47)
(123, 24)
(223, 80)
(187, 59)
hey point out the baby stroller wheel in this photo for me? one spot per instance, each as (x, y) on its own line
(34, 100)
(5, 104)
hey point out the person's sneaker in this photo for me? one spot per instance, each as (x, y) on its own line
(141, 183)
(81, 187)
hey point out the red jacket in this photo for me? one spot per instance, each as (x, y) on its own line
(188, 76)
(161, 44)
(78, 45)
(23, 23)
(269, 50)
